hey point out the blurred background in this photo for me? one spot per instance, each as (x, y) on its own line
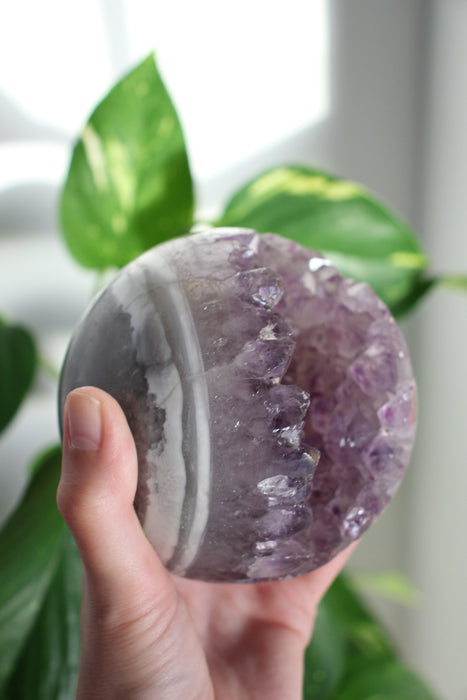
(372, 90)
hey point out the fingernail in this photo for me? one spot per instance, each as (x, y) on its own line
(84, 421)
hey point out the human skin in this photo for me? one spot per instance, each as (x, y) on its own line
(147, 634)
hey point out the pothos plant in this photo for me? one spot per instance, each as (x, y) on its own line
(129, 188)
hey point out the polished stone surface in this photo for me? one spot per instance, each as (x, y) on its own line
(271, 400)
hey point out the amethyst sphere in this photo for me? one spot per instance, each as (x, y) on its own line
(271, 400)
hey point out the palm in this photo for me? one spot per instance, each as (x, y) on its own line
(255, 634)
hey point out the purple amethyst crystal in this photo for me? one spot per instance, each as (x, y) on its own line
(271, 400)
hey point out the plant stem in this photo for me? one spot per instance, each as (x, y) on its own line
(48, 368)
(454, 281)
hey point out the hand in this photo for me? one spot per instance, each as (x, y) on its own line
(145, 633)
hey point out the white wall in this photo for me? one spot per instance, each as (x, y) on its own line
(435, 549)
(371, 89)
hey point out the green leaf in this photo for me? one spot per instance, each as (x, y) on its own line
(385, 680)
(423, 284)
(388, 584)
(324, 657)
(47, 668)
(129, 186)
(364, 633)
(372, 670)
(18, 363)
(30, 547)
(340, 220)
(420, 286)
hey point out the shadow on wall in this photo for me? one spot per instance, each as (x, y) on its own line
(372, 130)
(16, 125)
(28, 206)
(377, 92)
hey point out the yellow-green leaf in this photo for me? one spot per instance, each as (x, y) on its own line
(129, 185)
(340, 220)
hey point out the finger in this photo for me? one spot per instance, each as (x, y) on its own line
(95, 497)
(134, 628)
(321, 579)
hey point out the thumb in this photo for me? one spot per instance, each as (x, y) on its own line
(134, 627)
(95, 497)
